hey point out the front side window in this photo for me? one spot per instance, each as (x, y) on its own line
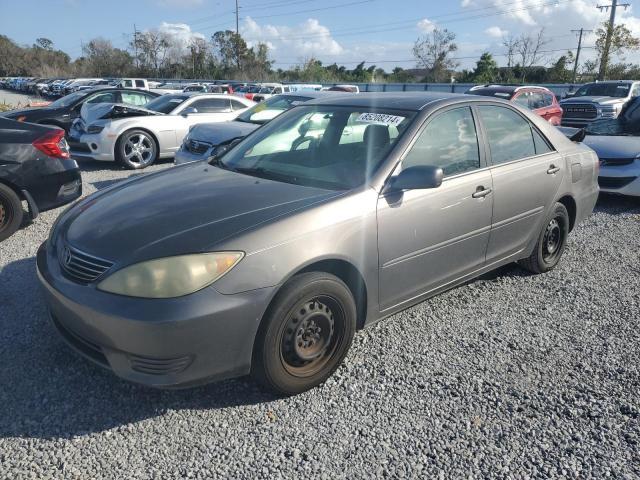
(509, 135)
(270, 108)
(212, 105)
(449, 141)
(303, 146)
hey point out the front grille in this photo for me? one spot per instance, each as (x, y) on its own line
(82, 267)
(615, 182)
(580, 110)
(158, 366)
(615, 162)
(199, 148)
(83, 345)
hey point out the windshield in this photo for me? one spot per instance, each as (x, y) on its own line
(165, 103)
(603, 90)
(270, 108)
(67, 100)
(330, 147)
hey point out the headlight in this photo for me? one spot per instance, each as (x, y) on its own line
(95, 128)
(171, 276)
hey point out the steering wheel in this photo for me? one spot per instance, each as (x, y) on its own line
(301, 141)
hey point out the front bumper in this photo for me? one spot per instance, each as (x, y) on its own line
(87, 146)
(170, 343)
(620, 179)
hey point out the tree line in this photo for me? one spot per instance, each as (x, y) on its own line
(227, 55)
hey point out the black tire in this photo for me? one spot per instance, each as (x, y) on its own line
(305, 334)
(551, 243)
(136, 149)
(11, 212)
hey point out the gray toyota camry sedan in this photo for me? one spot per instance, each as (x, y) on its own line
(338, 213)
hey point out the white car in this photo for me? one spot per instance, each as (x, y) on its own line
(137, 136)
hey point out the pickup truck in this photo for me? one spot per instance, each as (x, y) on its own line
(594, 101)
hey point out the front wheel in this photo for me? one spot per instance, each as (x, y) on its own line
(136, 149)
(305, 335)
(551, 243)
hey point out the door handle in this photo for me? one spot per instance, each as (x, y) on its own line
(481, 192)
(553, 170)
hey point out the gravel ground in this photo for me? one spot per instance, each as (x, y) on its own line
(511, 375)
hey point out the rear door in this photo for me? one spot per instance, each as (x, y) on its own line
(526, 173)
(429, 237)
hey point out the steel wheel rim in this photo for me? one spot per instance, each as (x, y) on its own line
(310, 335)
(6, 213)
(139, 149)
(552, 241)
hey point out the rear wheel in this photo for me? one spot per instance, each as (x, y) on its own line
(306, 333)
(551, 242)
(11, 212)
(136, 149)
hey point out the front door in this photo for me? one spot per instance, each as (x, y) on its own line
(427, 238)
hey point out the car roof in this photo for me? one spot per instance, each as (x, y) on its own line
(308, 93)
(401, 100)
(507, 89)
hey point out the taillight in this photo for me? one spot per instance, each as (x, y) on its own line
(53, 144)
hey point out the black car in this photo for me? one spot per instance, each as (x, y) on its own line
(65, 110)
(34, 167)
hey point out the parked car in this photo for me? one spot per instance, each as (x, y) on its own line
(206, 139)
(541, 100)
(136, 83)
(343, 88)
(269, 259)
(268, 90)
(593, 101)
(65, 110)
(136, 136)
(34, 167)
(617, 143)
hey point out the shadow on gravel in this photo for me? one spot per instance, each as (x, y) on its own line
(95, 166)
(48, 391)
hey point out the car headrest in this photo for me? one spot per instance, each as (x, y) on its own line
(376, 136)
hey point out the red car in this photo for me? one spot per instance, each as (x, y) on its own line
(539, 99)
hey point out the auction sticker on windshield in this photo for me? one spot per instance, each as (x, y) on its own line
(380, 119)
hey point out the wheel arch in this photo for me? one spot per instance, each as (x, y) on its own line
(572, 209)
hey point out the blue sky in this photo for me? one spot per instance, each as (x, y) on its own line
(344, 31)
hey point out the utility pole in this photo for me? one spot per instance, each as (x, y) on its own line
(135, 45)
(582, 31)
(237, 14)
(604, 61)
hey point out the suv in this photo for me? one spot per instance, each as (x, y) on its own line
(539, 99)
(597, 100)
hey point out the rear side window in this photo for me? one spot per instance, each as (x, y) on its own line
(542, 146)
(509, 135)
(548, 99)
(238, 105)
(133, 98)
(449, 141)
(140, 83)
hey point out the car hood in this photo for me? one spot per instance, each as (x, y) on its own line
(218, 133)
(593, 99)
(614, 146)
(91, 112)
(185, 209)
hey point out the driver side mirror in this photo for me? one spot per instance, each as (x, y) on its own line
(417, 178)
(189, 111)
